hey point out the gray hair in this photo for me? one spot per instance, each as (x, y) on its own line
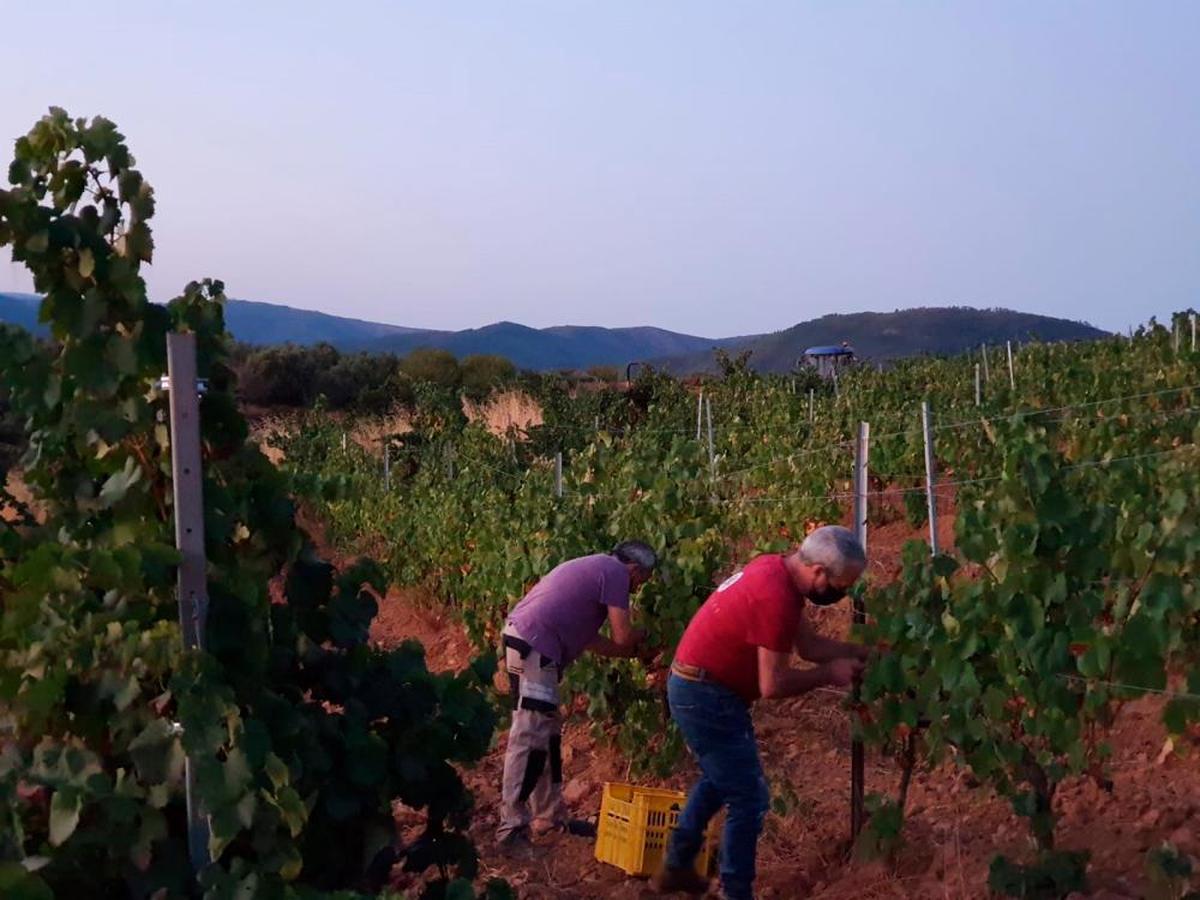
(639, 553)
(835, 548)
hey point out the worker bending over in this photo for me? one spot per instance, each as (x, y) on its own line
(558, 620)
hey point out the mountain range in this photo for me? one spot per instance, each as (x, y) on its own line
(878, 336)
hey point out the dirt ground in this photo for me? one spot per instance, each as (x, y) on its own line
(953, 829)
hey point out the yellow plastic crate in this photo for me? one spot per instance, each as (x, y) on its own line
(635, 823)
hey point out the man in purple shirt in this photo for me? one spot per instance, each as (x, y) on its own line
(558, 620)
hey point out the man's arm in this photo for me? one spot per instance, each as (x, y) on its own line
(777, 678)
(625, 638)
(818, 649)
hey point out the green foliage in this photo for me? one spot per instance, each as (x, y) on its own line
(484, 373)
(1016, 667)
(1052, 876)
(368, 383)
(1169, 874)
(12, 434)
(289, 375)
(299, 731)
(882, 834)
(437, 367)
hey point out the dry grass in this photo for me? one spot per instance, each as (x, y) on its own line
(512, 409)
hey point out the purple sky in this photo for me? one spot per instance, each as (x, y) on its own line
(711, 167)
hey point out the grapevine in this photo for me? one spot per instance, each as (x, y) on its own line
(300, 731)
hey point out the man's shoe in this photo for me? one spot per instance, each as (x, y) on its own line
(578, 828)
(516, 845)
(670, 881)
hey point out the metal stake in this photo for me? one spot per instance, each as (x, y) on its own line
(192, 584)
(558, 474)
(387, 465)
(986, 374)
(862, 450)
(930, 477)
(712, 455)
(978, 387)
(811, 404)
(1012, 378)
(699, 412)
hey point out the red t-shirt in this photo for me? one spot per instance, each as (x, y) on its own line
(757, 607)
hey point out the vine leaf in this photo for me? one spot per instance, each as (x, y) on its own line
(65, 808)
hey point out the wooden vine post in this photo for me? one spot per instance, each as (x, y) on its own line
(192, 583)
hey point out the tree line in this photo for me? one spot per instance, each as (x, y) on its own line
(292, 375)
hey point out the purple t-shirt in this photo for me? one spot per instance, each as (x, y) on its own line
(563, 612)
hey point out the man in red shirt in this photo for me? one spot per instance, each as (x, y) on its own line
(738, 649)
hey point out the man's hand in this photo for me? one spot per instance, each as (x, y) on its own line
(646, 651)
(842, 672)
(818, 649)
(625, 639)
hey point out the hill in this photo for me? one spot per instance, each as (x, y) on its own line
(877, 336)
(904, 332)
(251, 322)
(22, 310)
(254, 322)
(560, 347)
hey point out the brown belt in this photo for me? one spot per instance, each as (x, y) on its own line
(689, 673)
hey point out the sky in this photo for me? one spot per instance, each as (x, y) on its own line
(710, 167)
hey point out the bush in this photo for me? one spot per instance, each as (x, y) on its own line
(483, 373)
(438, 367)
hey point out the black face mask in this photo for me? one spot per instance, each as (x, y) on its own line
(827, 597)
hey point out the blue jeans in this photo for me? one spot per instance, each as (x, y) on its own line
(716, 725)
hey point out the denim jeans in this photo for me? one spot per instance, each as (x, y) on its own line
(716, 725)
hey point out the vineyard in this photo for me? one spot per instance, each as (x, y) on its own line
(1066, 589)
(1059, 588)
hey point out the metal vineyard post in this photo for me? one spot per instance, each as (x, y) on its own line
(930, 477)
(712, 455)
(862, 449)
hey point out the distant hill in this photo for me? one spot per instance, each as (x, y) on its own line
(270, 323)
(884, 336)
(560, 347)
(878, 336)
(251, 322)
(21, 309)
